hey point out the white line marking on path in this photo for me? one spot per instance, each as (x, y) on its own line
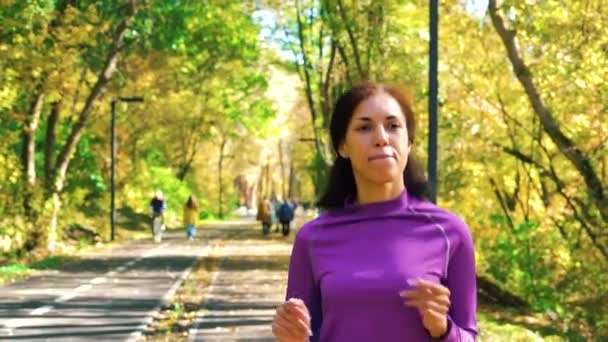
(15, 323)
(41, 310)
(7, 328)
(135, 335)
(150, 252)
(98, 280)
(82, 288)
(65, 298)
(6, 332)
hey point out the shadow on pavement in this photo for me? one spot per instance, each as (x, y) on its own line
(254, 262)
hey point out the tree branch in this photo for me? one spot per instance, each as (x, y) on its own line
(502, 202)
(566, 146)
(104, 76)
(353, 41)
(306, 67)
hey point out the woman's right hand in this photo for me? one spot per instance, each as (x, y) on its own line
(292, 322)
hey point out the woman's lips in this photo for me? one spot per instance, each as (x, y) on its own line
(381, 156)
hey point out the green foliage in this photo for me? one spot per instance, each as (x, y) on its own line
(138, 193)
(494, 331)
(85, 172)
(155, 156)
(516, 262)
(205, 76)
(319, 172)
(10, 176)
(15, 271)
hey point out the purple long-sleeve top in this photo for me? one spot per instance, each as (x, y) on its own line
(350, 264)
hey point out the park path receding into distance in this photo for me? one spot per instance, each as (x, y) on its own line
(114, 295)
(106, 296)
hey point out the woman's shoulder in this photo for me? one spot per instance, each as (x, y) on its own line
(446, 218)
(309, 229)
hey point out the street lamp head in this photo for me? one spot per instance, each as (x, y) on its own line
(131, 99)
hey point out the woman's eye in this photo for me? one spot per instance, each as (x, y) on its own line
(395, 125)
(363, 128)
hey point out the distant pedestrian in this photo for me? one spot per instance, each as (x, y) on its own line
(286, 215)
(158, 206)
(191, 217)
(265, 214)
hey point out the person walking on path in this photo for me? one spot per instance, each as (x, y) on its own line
(264, 215)
(158, 206)
(285, 214)
(381, 263)
(191, 217)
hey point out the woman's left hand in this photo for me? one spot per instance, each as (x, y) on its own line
(433, 302)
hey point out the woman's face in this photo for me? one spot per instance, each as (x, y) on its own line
(376, 140)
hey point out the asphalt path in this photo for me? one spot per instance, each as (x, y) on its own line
(110, 296)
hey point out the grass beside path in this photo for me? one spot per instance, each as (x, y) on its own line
(15, 267)
(491, 330)
(17, 271)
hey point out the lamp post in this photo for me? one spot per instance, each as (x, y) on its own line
(113, 159)
(433, 103)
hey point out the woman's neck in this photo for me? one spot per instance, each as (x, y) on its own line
(372, 193)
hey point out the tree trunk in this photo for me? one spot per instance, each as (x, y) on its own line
(490, 292)
(51, 238)
(29, 166)
(353, 42)
(327, 100)
(220, 166)
(260, 188)
(267, 184)
(283, 182)
(292, 180)
(49, 146)
(251, 196)
(29, 139)
(63, 160)
(308, 83)
(239, 188)
(133, 152)
(245, 191)
(182, 171)
(186, 164)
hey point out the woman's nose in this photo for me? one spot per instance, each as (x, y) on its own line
(381, 137)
